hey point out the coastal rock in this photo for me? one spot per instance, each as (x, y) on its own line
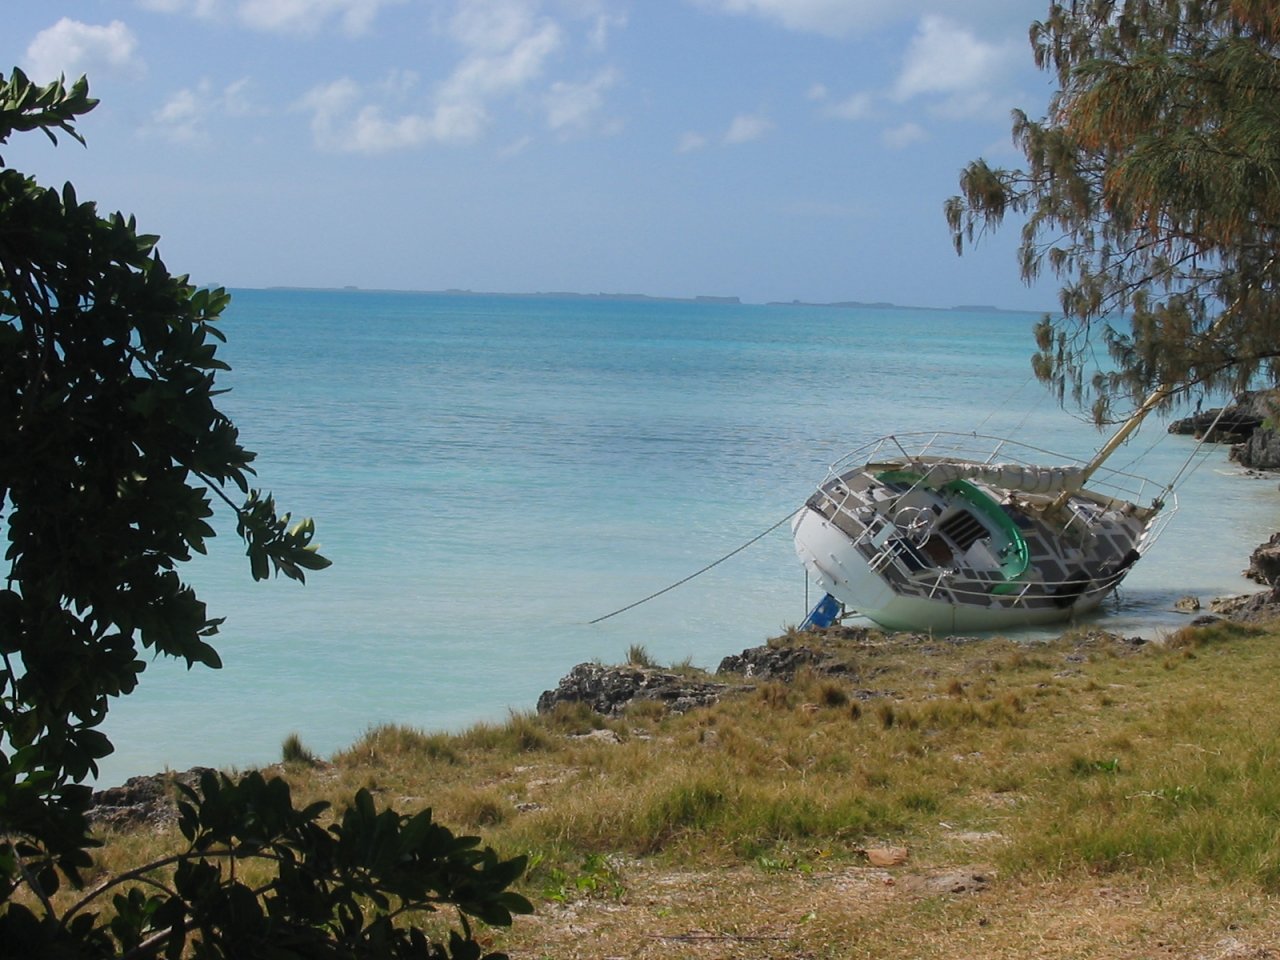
(770, 663)
(1187, 604)
(1264, 562)
(1264, 568)
(609, 690)
(1260, 452)
(142, 800)
(1250, 608)
(1234, 423)
(1245, 424)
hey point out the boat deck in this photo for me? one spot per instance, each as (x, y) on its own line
(928, 545)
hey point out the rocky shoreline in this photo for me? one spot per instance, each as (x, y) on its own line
(610, 690)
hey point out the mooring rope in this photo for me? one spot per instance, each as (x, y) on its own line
(714, 563)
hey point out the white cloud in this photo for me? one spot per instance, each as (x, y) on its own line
(373, 132)
(493, 26)
(455, 123)
(338, 122)
(489, 71)
(280, 16)
(506, 51)
(962, 72)
(833, 18)
(846, 18)
(328, 104)
(205, 9)
(604, 25)
(181, 115)
(744, 128)
(573, 106)
(235, 101)
(400, 83)
(747, 127)
(857, 106)
(950, 69)
(70, 47)
(342, 123)
(185, 116)
(904, 135)
(515, 148)
(691, 142)
(308, 16)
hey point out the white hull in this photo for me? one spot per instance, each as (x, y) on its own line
(931, 540)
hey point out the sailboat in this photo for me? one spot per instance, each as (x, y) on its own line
(965, 532)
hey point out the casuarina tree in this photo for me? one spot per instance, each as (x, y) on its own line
(1152, 190)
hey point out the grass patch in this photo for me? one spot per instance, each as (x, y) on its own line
(392, 745)
(639, 656)
(292, 751)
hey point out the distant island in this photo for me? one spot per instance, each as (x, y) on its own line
(549, 294)
(885, 305)
(647, 298)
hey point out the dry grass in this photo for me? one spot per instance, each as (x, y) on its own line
(1083, 798)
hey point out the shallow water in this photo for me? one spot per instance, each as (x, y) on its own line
(488, 474)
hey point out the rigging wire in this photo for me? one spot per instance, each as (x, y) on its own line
(1027, 411)
(1196, 449)
(1138, 458)
(714, 563)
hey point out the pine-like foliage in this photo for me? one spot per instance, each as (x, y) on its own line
(1152, 190)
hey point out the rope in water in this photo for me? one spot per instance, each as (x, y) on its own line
(714, 563)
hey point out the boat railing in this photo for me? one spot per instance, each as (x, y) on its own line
(985, 449)
(890, 556)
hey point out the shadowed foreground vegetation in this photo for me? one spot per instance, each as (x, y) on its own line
(1091, 796)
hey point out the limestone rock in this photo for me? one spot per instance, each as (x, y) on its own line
(769, 663)
(1250, 608)
(782, 662)
(1187, 604)
(1264, 563)
(1246, 424)
(1260, 452)
(609, 690)
(142, 800)
(1235, 422)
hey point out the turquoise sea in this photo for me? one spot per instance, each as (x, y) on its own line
(488, 474)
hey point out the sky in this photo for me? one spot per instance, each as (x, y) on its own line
(764, 149)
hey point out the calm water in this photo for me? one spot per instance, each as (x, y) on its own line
(489, 474)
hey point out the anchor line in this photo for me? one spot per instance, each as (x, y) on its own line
(698, 573)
